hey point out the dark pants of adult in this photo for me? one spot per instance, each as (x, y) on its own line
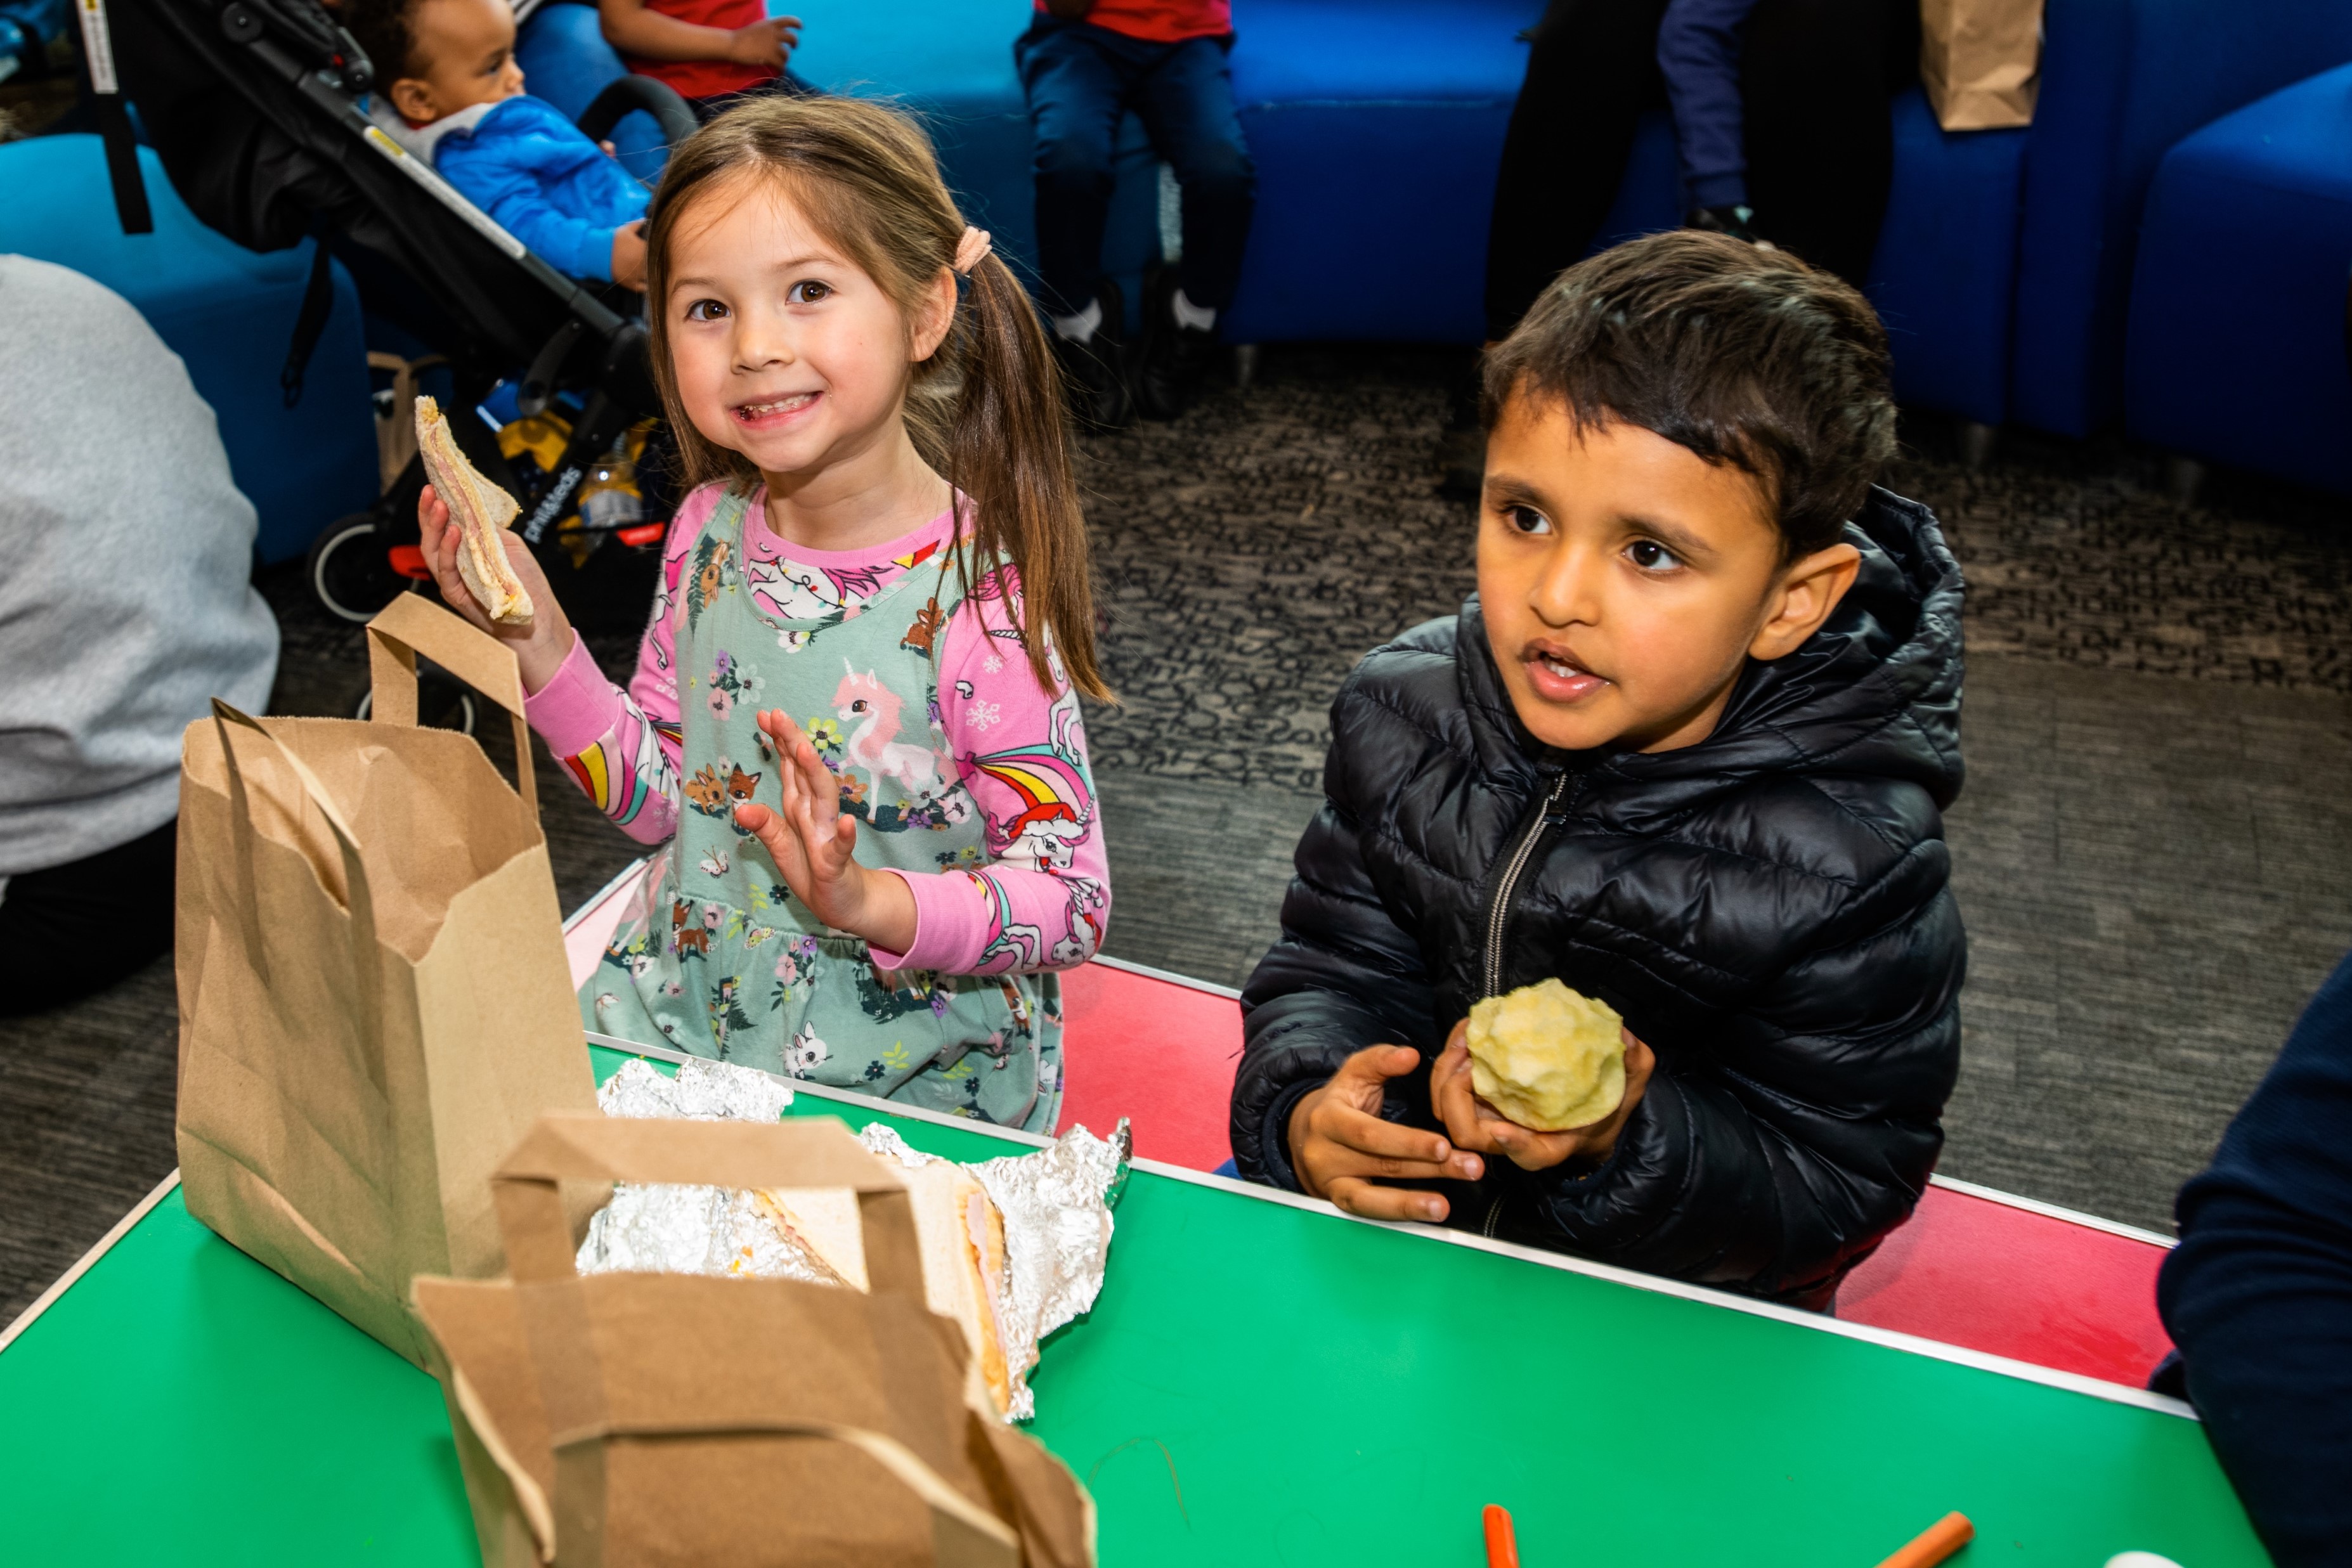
(78, 927)
(1080, 79)
(1815, 77)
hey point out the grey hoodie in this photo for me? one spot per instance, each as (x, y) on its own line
(126, 555)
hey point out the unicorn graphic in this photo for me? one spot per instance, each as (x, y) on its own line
(863, 701)
(1058, 799)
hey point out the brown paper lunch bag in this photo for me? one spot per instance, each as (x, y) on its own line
(630, 1421)
(1980, 61)
(374, 1002)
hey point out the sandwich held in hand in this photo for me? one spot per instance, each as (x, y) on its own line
(482, 512)
(1546, 1057)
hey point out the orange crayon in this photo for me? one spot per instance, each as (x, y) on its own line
(1935, 1543)
(1502, 1545)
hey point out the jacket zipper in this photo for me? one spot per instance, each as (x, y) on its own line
(1501, 914)
(1499, 917)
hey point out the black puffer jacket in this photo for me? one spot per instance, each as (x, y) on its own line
(1768, 909)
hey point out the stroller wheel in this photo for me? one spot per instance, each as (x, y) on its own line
(441, 703)
(349, 570)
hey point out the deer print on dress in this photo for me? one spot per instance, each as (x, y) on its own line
(873, 709)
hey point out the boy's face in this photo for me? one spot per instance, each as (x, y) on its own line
(464, 55)
(1626, 581)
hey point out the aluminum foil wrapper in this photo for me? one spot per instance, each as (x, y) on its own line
(667, 1229)
(1057, 1206)
(702, 1092)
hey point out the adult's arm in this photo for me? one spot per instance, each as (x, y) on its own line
(2258, 1295)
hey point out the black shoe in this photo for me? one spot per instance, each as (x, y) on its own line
(1094, 371)
(1176, 359)
(1740, 223)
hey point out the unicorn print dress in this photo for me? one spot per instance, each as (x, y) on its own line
(966, 778)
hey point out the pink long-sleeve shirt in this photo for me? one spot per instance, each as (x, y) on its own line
(624, 748)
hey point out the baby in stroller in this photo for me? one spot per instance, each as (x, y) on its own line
(450, 91)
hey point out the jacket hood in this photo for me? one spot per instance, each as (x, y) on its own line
(1874, 693)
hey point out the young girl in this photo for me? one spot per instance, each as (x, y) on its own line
(854, 714)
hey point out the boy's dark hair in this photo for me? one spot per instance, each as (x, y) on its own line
(1745, 356)
(386, 29)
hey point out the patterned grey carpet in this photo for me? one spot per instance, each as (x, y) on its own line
(2154, 854)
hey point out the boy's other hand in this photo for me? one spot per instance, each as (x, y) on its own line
(629, 254)
(768, 43)
(1475, 1124)
(542, 644)
(1338, 1144)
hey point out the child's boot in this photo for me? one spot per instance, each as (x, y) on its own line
(1094, 361)
(1180, 342)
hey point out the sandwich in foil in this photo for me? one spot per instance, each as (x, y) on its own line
(1013, 1248)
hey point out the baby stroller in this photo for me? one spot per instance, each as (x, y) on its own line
(253, 106)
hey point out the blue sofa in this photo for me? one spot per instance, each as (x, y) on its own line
(2235, 351)
(2122, 81)
(1377, 126)
(228, 313)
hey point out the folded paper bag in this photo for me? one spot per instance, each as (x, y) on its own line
(1980, 61)
(624, 1420)
(374, 1002)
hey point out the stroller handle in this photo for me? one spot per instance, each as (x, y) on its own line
(626, 94)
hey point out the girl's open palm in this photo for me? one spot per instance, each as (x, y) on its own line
(814, 845)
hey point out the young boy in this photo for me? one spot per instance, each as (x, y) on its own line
(1084, 64)
(1685, 750)
(452, 95)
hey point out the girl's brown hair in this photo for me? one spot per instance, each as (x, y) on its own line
(986, 411)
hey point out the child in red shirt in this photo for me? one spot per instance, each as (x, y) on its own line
(1084, 64)
(714, 52)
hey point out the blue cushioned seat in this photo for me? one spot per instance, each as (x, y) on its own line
(2121, 81)
(2236, 349)
(229, 314)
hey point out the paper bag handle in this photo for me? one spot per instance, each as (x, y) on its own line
(963, 1534)
(588, 1145)
(411, 625)
(358, 901)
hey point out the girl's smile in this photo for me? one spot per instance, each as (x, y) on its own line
(774, 414)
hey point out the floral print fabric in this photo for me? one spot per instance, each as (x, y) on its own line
(967, 780)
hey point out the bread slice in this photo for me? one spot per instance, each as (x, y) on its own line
(960, 1235)
(481, 511)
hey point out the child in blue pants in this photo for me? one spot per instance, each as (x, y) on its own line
(1084, 64)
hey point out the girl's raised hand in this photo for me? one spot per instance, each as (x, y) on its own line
(815, 846)
(541, 645)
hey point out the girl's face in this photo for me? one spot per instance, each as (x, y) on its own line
(784, 351)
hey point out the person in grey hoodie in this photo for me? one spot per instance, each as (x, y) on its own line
(126, 605)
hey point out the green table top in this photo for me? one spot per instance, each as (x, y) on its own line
(1259, 1382)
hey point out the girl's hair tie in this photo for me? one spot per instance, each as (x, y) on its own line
(970, 250)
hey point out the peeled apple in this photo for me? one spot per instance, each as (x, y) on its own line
(1548, 1057)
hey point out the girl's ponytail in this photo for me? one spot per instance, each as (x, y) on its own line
(1008, 448)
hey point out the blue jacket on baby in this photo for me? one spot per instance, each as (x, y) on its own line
(534, 173)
